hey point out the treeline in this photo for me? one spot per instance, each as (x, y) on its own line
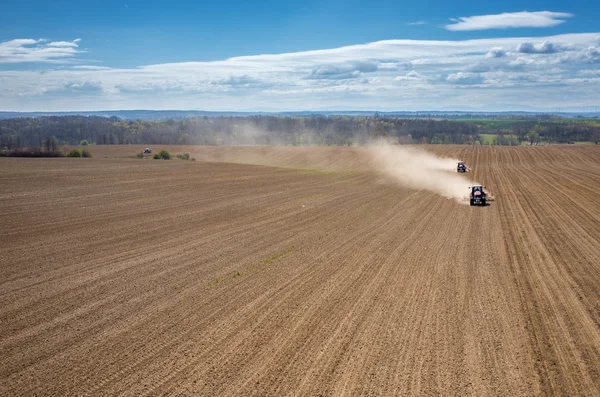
(557, 132)
(273, 130)
(253, 130)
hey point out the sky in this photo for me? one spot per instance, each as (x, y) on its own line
(310, 55)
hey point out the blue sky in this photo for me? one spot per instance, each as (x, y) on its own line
(270, 55)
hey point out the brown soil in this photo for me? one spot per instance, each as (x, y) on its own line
(142, 277)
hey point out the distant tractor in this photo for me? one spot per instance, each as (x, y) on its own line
(147, 151)
(478, 195)
(462, 167)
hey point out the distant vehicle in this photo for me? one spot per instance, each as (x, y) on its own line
(147, 151)
(478, 195)
(462, 167)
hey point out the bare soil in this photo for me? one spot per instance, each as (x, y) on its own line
(143, 277)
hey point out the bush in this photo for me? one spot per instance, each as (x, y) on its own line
(140, 155)
(163, 154)
(74, 153)
(86, 153)
(83, 143)
(185, 156)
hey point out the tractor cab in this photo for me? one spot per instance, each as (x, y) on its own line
(478, 195)
(461, 167)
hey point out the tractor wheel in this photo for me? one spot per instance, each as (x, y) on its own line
(471, 202)
(483, 202)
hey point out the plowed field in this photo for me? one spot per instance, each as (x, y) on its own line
(216, 278)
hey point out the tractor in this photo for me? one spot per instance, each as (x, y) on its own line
(478, 195)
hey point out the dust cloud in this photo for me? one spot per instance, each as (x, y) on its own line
(418, 169)
(407, 166)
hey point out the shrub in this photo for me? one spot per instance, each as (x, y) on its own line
(84, 143)
(86, 153)
(140, 155)
(163, 154)
(185, 156)
(74, 153)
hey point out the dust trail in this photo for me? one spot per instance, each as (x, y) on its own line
(417, 169)
(408, 166)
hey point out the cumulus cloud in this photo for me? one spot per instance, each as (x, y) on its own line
(465, 78)
(31, 50)
(430, 74)
(496, 53)
(591, 55)
(524, 19)
(545, 47)
(410, 76)
(343, 71)
(579, 58)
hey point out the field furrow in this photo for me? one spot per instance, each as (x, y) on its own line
(299, 271)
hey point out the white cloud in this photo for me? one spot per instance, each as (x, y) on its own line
(417, 23)
(400, 74)
(21, 42)
(341, 71)
(394, 65)
(465, 78)
(580, 57)
(31, 50)
(545, 47)
(410, 76)
(590, 72)
(63, 44)
(496, 53)
(591, 55)
(524, 19)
